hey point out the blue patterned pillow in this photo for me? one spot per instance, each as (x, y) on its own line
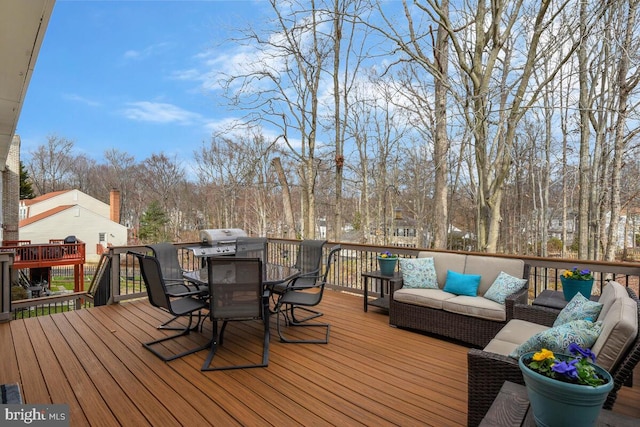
(503, 286)
(462, 284)
(557, 339)
(578, 308)
(418, 273)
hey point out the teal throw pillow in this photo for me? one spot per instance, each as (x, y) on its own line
(503, 286)
(418, 273)
(462, 284)
(579, 308)
(557, 339)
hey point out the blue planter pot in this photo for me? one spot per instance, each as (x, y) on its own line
(387, 265)
(559, 404)
(570, 287)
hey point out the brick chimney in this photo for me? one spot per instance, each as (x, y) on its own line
(114, 205)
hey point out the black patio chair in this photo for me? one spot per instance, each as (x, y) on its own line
(252, 247)
(308, 263)
(302, 298)
(236, 294)
(173, 275)
(185, 305)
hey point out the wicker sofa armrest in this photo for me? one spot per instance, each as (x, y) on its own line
(487, 372)
(517, 298)
(394, 287)
(535, 314)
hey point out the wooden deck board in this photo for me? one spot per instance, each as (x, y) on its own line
(89, 398)
(368, 374)
(34, 387)
(58, 387)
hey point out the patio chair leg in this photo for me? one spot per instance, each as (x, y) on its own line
(292, 322)
(164, 326)
(183, 331)
(308, 310)
(217, 340)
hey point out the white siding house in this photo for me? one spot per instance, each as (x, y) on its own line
(71, 213)
(32, 207)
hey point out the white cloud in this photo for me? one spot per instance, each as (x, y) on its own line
(147, 52)
(81, 99)
(188, 75)
(156, 112)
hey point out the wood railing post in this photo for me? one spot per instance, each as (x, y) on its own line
(6, 261)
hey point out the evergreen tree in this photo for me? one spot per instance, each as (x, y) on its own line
(26, 189)
(152, 224)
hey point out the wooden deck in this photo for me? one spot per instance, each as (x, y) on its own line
(369, 373)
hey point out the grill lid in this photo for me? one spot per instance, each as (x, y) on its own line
(216, 236)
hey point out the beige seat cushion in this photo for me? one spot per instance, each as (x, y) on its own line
(476, 307)
(514, 333)
(431, 298)
(490, 267)
(619, 330)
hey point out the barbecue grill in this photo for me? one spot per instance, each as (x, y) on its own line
(217, 242)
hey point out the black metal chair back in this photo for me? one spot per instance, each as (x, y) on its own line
(236, 294)
(167, 255)
(154, 282)
(185, 305)
(252, 247)
(303, 298)
(309, 257)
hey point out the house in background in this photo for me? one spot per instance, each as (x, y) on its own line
(60, 214)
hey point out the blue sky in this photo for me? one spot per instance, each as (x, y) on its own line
(131, 75)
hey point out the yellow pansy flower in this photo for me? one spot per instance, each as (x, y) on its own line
(543, 355)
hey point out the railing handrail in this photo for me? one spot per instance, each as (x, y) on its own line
(47, 300)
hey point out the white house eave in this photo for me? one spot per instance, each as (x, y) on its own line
(23, 24)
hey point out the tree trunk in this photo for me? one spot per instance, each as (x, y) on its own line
(286, 197)
(441, 144)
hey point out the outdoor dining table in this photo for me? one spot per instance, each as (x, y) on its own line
(272, 274)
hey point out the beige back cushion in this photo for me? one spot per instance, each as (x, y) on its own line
(610, 292)
(619, 330)
(444, 261)
(490, 267)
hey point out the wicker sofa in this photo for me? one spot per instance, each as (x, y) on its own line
(472, 320)
(617, 348)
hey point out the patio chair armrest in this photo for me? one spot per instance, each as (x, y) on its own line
(307, 281)
(177, 283)
(184, 294)
(314, 273)
(487, 372)
(535, 314)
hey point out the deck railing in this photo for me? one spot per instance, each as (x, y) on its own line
(117, 278)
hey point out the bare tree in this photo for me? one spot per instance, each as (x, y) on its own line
(120, 169)
(164, 181)
(50, 165)
(282, 87)
(626, 82)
